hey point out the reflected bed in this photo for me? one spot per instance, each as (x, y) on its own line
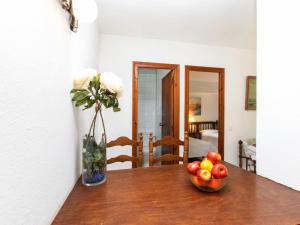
(203, 137)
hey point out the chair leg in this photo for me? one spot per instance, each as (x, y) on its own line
(247, 164)
(140, 158)
(185, 148)
(151, 149)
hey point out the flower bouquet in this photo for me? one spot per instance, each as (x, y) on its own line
(96, 91)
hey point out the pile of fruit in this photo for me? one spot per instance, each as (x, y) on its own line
(209, 172)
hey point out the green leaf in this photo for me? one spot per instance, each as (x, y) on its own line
(78, 90)
(116, 109)
(96, 167)
(78, 96)
(91, 145)
(86, 97)
(116, 103)
(97, 156)
(90, 103)
(80, 102)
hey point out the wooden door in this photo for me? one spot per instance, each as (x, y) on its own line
(175, 68)
(167, 123)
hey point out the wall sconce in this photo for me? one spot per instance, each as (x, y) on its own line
(84, 11)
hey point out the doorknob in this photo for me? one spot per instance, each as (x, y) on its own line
(162, 124)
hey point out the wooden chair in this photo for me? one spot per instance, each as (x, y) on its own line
(123, 141)
(168, 141)
(242, 156)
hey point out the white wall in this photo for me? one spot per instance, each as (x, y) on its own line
(118, 52)
(39, 153)
(278, 154)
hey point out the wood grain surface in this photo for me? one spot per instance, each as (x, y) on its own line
(165, 195)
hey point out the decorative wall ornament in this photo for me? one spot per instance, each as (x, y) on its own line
(68, 6)
(195, 106)
(250, 103)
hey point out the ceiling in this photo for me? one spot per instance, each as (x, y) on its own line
(230, 23)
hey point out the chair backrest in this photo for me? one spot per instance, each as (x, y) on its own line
(168, 141)
(123, 141)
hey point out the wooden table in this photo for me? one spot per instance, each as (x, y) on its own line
(164, 195)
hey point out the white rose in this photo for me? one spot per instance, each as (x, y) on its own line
(112, 83)
(83, 78)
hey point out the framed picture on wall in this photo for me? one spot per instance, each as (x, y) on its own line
(251, 93)
(195, 106)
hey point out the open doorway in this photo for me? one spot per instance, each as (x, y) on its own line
(204, 110)
(155, 104)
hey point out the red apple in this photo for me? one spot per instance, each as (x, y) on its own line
(214, 157)
(204, 175)
(193, 167)
(219, 171)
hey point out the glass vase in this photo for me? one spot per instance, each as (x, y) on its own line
(93, 161)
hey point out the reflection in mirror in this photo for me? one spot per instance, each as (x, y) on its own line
(203, 113)
(151, 108)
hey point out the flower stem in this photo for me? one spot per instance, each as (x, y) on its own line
(103, 125)
(93, 123)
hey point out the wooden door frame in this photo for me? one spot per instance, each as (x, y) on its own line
(176, 68)
(221, 72)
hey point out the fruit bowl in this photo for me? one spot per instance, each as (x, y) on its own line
(208, 186)
(210, 174)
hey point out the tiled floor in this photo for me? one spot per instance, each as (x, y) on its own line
(145, 159)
